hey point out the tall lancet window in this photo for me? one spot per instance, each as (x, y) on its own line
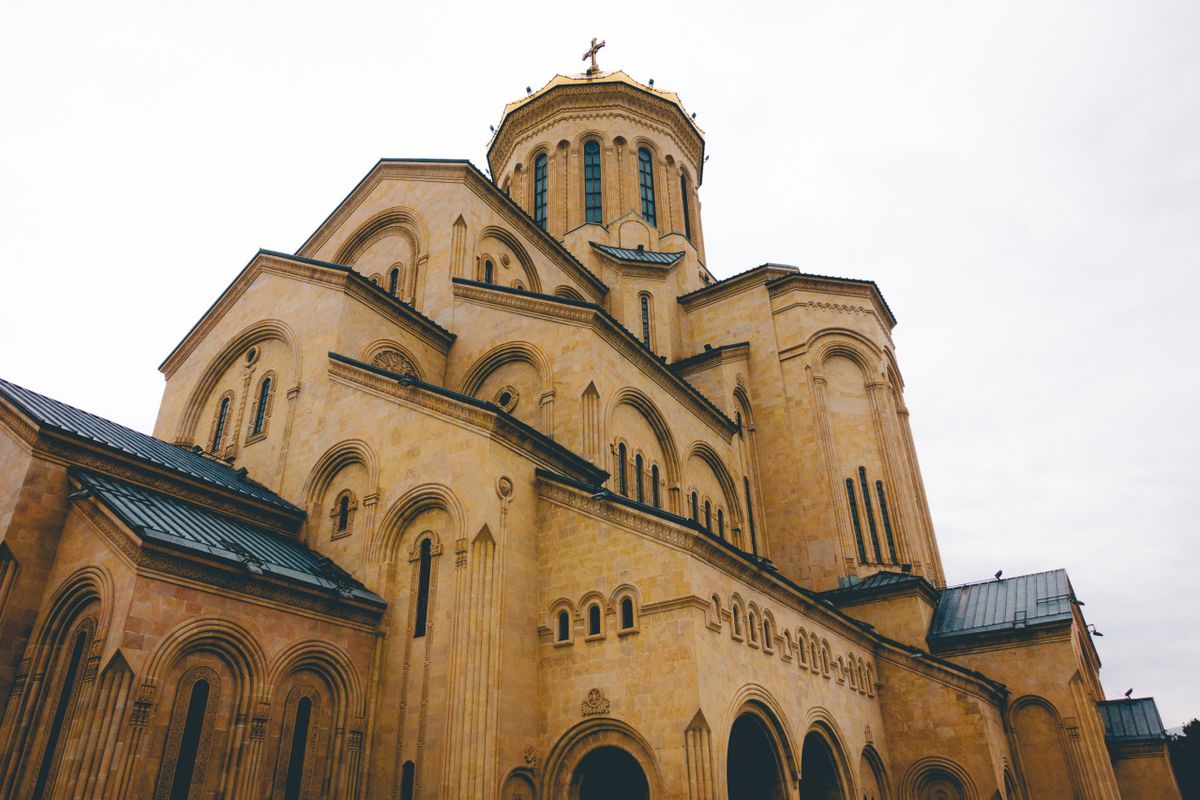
(591, 182)
(539, 190)
(645, 303)
(219, 430)
(65, 697)
(295, 774)
(260, 411)
(622, 474)
(687, 214)
(423, 576)
(646, 182)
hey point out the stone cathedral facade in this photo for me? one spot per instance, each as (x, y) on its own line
(491, 490)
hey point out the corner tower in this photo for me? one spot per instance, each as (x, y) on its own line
(611, 167)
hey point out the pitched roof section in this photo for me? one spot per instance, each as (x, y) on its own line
(998, 605)
(50, 413)
(164, 519)
(1131, 720)
(639, 256)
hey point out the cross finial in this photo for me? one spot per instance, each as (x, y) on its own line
(591, 53)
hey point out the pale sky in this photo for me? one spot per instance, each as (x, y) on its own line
(1022, 180)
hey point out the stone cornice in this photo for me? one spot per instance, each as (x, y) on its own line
(847, 287)
(985, 641)
(608, 329)
(593, 99)
(454, 171)
(482, 417)
(706, 360)
(309, 271)
(734, 285)
(679, 534)
(1146, 748)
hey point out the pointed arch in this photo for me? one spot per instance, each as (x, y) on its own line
(262, 331)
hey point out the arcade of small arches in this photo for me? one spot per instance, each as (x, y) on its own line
(593, 613)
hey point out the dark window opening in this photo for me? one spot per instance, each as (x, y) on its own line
(887, 522)
(260, 414)
(408, 780)
(295, 773)
(687, 216)
(65, 697)
(564, 626)
(646, 184)
(862, 480)
(638, 465)
(487, 271)
(393, 281)
(654, 487)
(539, 191)
(721, 523)
(343, 518)
(708, 515)
(189, 745)
(594, 620)
(695, 508)
(591, 182)
(646, 320)
(858, 534)
(422, 616)
(622, 477)
(219, 433)
(627, 613)
(750, 516)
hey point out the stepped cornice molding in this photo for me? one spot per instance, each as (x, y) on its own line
(466, 411)
(323, 273)
(607, 328)
(680, 535)
(454, 171)
(707, 359)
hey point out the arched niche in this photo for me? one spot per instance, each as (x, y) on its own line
(1041, 748)
(510, 260)
(517, 378)
(754, 767)
(615, 744)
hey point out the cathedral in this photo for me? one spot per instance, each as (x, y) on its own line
(492, 490)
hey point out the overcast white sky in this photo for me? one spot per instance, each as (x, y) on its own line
(1022, 179)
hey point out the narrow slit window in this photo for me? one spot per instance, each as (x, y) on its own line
(426, 566)
(646, 320)
(858, 534)
(295, 773)
(866, 490)
(752, 624)
(750, 516)
(687, 216)
(721, 522)
(408, 781)
(591, 182)
(488, 271)
(695, 508)
(61, 709)
(708, 515)
(539, 190)
(646, 184)
(564, 626)
(219, 431)
(627, 613)
(654, 490)
(260, 413)
(766, 633)
(189, 744)
(594, 620)
(343, 517)
(638, 465)
(393, 281)
(622, 477)
(887, 522)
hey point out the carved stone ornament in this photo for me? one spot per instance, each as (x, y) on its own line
(595, 703)
(530, 756)
(506, 398)
(867, 735)
(394, 361)
(504, 487)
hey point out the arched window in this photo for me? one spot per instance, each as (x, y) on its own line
(488, 271)
(862, 480)
(263, 407)
(222, 418)
(752, 624)
(564, 626)
(426, 565)
(626, 613)
(594, 620)
(695, 508)
(539, 190)
(646, 183)
(887, 522)
(721, 523)
(295, 773)
(708, 515)
(687, 216)
(622, 477)
(750, 516)
(343, 518)
(858, 534)
(766, 634)
(343, 513)
(655, 498)
(65, 697)
(737, 621)
(591, 182)
(645, 303)
(393, 281)
(408, 781)
(638, 465)
(189, 744)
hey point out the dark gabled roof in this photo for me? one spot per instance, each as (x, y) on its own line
(884, 583)
(880, 579)
(167, 520)
(50, 413)
(1131, 720)
(999, 605)
(639, 256)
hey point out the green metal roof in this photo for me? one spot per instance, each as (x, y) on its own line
(639, 256)
(1131, 720)
(1007, 604)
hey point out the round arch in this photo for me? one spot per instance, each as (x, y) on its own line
(425, 497)
(825, 771)
(327, 660)
(395, 221)
(587, 737)
(387, 349)
(262, 331)
(642, 403)
(705, 452)
(507, 353)
(928, 770)
(506, 238)
(229, 641)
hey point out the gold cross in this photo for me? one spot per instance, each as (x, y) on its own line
(591, 53)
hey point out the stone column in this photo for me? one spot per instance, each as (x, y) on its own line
(698, 746)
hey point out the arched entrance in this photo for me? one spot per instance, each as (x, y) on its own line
(609, 773)
(818, 770)
(752, 767)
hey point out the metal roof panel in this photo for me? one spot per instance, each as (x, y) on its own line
(1010, 603)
